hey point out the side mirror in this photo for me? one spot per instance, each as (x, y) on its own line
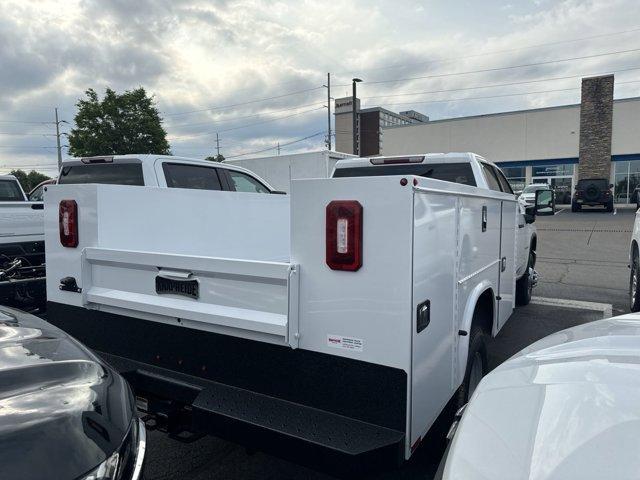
(544, 204)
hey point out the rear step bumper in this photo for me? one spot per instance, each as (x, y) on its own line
(322, 410)
(263, 422)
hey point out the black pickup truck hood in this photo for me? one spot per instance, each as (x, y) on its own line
(62, 410)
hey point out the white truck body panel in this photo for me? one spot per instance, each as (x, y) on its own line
(279, 170)
(19, 221)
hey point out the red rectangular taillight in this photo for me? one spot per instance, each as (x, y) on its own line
(344, 235)
(68, 222)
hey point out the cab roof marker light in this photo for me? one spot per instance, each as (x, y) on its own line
(396, 160)
(97, 159)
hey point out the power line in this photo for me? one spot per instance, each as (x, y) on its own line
(496, 52)
(496, 69)
(28, 122)
(222, 107)
(275, 146)
(246, 116)
(499, 96)
(548, 79)
(244, 126)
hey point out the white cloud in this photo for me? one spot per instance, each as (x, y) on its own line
(194, 53)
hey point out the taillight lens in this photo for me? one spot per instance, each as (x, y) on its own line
(68, 221)
(344, 235)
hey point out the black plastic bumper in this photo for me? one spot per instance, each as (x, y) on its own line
(326, 411)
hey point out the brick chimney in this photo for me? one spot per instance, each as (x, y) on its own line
(596, 118)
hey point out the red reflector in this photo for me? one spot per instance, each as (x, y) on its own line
(68, 222)
(344, 235)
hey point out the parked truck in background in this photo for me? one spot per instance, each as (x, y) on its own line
(279, 170)
(333, 324)
(22, 282)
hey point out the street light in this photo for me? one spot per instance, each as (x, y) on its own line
(353, 104)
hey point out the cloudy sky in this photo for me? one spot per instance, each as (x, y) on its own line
(254, 71)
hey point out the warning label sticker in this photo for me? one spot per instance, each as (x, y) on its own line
(346, 343)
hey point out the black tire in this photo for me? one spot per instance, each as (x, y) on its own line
(477, 346)
(634, 284)
(524, 285)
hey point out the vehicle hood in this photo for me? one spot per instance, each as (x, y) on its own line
(567, 407)
(62, 411)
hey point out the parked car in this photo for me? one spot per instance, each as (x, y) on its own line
(22, 281)
(592, 192)
(64, 413)
(634, 265)
(272, 320)
(564, 408)
(529, 192)
(163, 171)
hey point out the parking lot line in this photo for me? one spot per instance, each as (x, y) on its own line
(605, 308)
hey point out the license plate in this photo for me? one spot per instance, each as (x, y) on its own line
(186, 288)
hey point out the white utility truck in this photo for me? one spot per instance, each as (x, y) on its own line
(279, 170)
(22, 281)
(333, 323)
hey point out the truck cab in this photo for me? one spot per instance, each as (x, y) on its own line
(164, 171)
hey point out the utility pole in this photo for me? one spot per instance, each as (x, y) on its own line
(278, 147)
(217, 144)
(355, 116)
(58, 140)
(328, 111)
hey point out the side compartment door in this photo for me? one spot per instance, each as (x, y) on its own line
(507, 282)
(433, 318)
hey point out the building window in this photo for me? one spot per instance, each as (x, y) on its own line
(626, 179)
(517, 177)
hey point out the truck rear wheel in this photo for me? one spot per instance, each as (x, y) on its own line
(524, 286)
(477, 363)
(634, 284)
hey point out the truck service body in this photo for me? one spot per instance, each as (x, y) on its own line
(335, 321)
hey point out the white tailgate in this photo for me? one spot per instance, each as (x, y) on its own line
(234, 245)
(19, 222)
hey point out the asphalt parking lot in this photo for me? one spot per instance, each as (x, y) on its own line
(582, 257)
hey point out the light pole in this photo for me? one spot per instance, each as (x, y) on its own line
(353, 104)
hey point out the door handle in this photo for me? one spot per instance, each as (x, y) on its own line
(503, 264)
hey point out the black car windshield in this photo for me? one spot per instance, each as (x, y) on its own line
(10, 192)
(448, 172)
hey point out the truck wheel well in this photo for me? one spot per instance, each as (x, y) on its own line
(483, 313)
(634, 250)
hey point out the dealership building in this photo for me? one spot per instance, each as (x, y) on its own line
(598, 138)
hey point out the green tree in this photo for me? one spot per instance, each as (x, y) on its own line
(215, 158)
(29, 180)
(118, 124)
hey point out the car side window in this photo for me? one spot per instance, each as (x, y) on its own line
(504, 184)
(490, 177)
(242, 182)
(37, 194)
(181, 175)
